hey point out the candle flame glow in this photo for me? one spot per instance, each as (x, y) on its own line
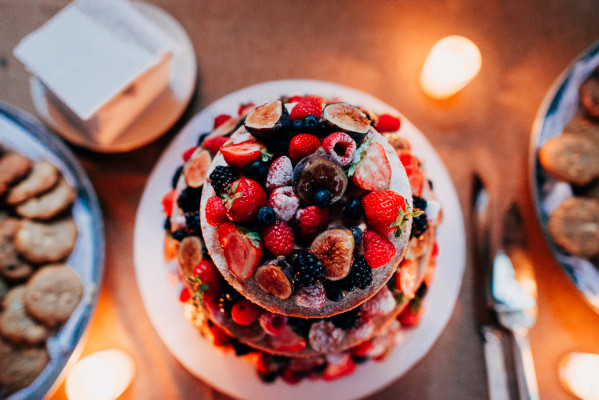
(580, 374)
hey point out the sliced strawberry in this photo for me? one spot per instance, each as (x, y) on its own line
(242, 154)
(407, 278)
(335, 371)
(288, 340)
(373, 171)
(412, 314)
(243, 249)
(413, 170)
(167, 203)
(215, 143)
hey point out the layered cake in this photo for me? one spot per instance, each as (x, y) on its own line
(303, 230)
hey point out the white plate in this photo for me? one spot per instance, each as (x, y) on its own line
(158, 117)
(234, 376)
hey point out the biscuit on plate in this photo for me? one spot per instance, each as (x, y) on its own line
(589, 95)
(20, 365)
(13, 166)
(15, 324)
(42, 176)
(49, 204)
(571, 158)
(42, 243)
(574, 226)
(12, 267)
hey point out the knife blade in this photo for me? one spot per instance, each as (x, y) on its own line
(515, 292)
(497, 381)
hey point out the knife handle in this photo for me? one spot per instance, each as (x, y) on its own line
(494, 359)
(525, 368)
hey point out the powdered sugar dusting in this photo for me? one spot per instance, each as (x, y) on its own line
(285, 202)
(324, 336)
(311, 296)
(279, 173)
(382, 303)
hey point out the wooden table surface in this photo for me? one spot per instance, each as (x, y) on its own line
(379, 48)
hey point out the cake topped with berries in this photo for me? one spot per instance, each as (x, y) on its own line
(307, 209)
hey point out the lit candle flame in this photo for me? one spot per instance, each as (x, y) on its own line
(451, 64)
(579, 372)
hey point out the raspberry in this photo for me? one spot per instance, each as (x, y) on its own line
(307, 270)
(381, 304)
(221, 178)
(295, 99)
(278, 238)
(325, 336)
(285, 202)
(311, 220)
(273, 324)
(244, 312)
(378, 249)
(388, 123)
(216, 213)
(302, 145)
(221, 119)
(279, 173)
(340, 146)
(214, 144)
(309, 105)
(311, 296)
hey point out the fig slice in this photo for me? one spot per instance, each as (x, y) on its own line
(274, 281)
(196, 170)
(316, 172)
(189, 254)
(347, 118)
(267, 120)
(334, 248)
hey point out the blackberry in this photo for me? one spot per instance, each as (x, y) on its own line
(189, 199)
(307, 270)
(221, 178)
(267, 377)
(176, 176)
(347, 320)
(421, 292)
(419, 226)
(192, 220)
(419, 203)
(360, 275)
(241, 349)
(333, 291)
(227, 298)
(301, 326)
(179, 235)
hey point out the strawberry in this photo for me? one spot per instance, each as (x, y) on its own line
(244, 108)
(386, 211)
(413, 170)
(340, 146)
(412, 314)
(167, 203)
(388, 123)
(302, 145)
(207, 280)
(309, 105)
(216, 213)
(361, 350)
(243, 249)
(287, 340)
(295, 99)
(372, 171)
(221, 119)
(378, 249)
(279, 173)
(242, 154)
(278, 238)
(214, 144)
(406, 278)
(243, 200)
(334, 371)
(290, 376)
(244, 312)
(311, 220)
(188, 153)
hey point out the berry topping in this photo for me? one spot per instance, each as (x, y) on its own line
(406, 278)
(187, 153)
(221, 177)
(215, 143)
(333, 291)
(311, 296)
(243, 200)
(307, 270)
(378, 249)
(274, 280)
(360, 275)
(357, 232)
(388, 123)
(310, 123)
(278, 238)
(244, 312)
(340, 146)
(189, 199)
(323, 198)
(352, 209)
(372, 171)
(311, 220)
(288, 340)
(219, 336)
(419, 226)
(347, 320)
(334, 248)
(347, 118)
(302, 145)
(412, 314)
(296, 126)
(273, 324)
(242, 248)
(257, 171)
(413, 170)
(279, 173)
(221, 119)
(386, 211)
(167, 203)
(193, 223)
(216, 213)
(206, 280)
(381, 304)
(419, 203)
(284, 202)
(319, 171)
(266, 216)
(245, 108)
(309, 105)
(242, 154)
(325, 336)
(185, 295)
(335, 371)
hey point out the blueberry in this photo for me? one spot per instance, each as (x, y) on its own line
(167, 224)
(278, 146)
(333, 291)
(357, 232)
(296, 126)
(322, 198)
(266, 216)
(202, 137)
(257, 171)
(352, 208)
(310, 123)
(176, 176)
(179, 235)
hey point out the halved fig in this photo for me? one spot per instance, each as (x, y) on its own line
(348, 118)
(316, 172)
(196, 170)
(334, 248)
(189, 254)
(267, 120)
(274, 281)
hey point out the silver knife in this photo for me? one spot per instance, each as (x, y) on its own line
(497, 381)
(515, 293)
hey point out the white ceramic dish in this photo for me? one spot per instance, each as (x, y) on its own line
(233, 376)
(158, 117)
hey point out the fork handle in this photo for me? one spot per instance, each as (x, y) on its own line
(525, 368)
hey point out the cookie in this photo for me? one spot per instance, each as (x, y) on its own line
(13, 166)
(3, 291)
(574, 226)
(42, 243)
(15, 324)
(12, 266)
(43, 176)
(19, 366)
(53, 293)
(49, 204)
(571, 158)
(588, 94)
(579, 125)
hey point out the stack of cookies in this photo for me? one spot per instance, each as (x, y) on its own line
(38, 291)
(304, 234)
(573, 157)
